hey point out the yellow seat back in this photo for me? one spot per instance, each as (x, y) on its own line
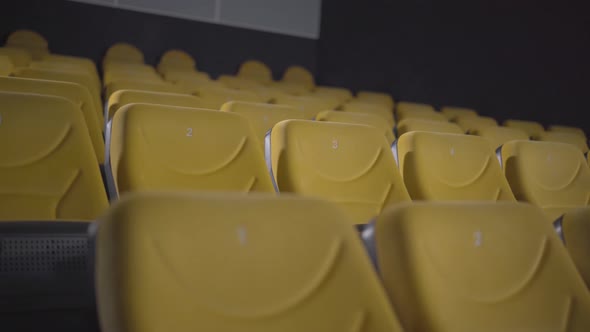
(471, 124)
(6, 66)
(553, 176)
(227, 262)
(240, 83)
(478, 267)
(141, 86)
(572, 138)
(214, 97)
(29, 40)
(452, 112)
(75, 93)
(449, 167)
(310, 106)
(48, 168)
(356, 106)
(358, 118)
(569, 129)
(351, 165)
(157, 147)
(341, 94)
(531, 128)
(18, 56)
(498, 136)
(176, 60)
(299, 75)
(433, 126)
(262, 116)
(575, 228)
(407, 110)
(123, 52)
(125, 97)
(380, 98)
(184, 76)
(255, 70)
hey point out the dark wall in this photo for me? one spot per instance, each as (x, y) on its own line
(88, 30)
(510, 59)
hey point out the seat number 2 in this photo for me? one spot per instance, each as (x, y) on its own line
(189, 132)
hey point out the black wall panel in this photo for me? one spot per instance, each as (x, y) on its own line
(88, 30)
(521, 59)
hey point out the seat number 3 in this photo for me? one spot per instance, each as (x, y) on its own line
(189, 132)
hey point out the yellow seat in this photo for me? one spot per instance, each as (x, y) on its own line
(174, 60)
(351, 165)
(498, 136)
(240, 83)
(227, 262)
(565, 137)
(452, 112)
(73, 92)
(310, 106)
(407, 110)
(142, 86)
(478, 267)
(6, 66)
(358, 118)
(575, 227)
(341, 94)
(131, 72)
(18, 56)
(29, 40)
(553, 176)
(433, 126)
(380, 98)
(533, 129)
(157, 147)
(438, 166)
(291, 88)
(569, 129)
(213, 97)
(299, 75)
(123, 52)
(67, 67)
(370, 108)
(262, 116)
(48, 168)
(255, 70)
(82, 79)
(125, 97)
(471, 124)
(188, 77)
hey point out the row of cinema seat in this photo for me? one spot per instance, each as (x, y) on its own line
(450, 255)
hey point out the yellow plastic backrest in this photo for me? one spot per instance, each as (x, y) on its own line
(82, 79)
(558, 128)
(123, 52)
(81, 61)
(262, 277)
(310, 106)
(48, 168)
(417, 124)
(498, 136)
(125, 97)
(6, 66)
(292, 88)
(299, 75)
(575, 229)
(370, 108)
(439, 166)
(407, 110)
(157, 147)
(381, 98)
(478, 267)
(565, 137)
(452, 112)
(547, 174)
(134, 72)
(19, 57)
(176, 59)
(351, 165)
(75, 93)
(234, 82)
(255, 70)
(343, 95)
(262, 116)
(475, 123)
(68, 67)
(358, 118)
(184, 76)
(142, 86)
(29, 40)
(214, 97)
(533, 129)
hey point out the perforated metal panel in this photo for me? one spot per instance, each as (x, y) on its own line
(43, 254)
